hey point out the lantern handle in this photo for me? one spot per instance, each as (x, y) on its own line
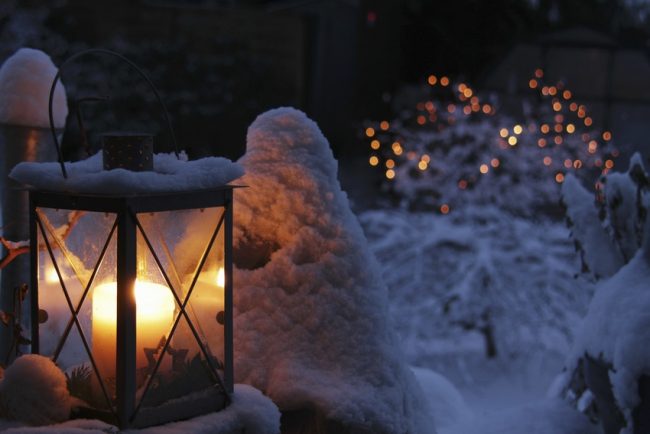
(130, 63)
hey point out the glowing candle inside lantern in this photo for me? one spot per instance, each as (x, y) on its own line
(154, 316)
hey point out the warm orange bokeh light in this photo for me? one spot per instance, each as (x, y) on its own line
(607, 135)
(374, 160)
(547, 161)
(484, 169)
(375, 144)
(559, 178)
(444, 208)
(539, 73)
(370, 132)
(384, 125)
(532, 83)
(444, 81)
(432, 80)
(495, 162)
(390, 174)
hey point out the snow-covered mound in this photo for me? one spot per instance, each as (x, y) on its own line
(34, 391)
(445, 401)
(617, 329)
(88, 176)
(25, 81)
(311, 316)
(546, 417)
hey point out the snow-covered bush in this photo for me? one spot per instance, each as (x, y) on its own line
(311, 313)
(607, 228)
(479, 280)
(447, 147)
(607, 371)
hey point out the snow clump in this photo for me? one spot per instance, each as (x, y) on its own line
(311, 312)
(25, 81)
(34, 391)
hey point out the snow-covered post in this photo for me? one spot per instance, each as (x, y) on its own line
(25, 80)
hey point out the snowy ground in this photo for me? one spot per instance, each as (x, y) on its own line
(522, 272)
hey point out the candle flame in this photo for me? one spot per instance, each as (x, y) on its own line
(152, 301)
(221, 278)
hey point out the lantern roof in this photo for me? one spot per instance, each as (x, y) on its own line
(170, 175)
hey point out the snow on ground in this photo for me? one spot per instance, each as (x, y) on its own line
(25, 81)
(311, 303)
(169, 174)
(250, 411)
(482, 259)
(543, 417)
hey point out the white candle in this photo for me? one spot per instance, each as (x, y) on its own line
(154, 316)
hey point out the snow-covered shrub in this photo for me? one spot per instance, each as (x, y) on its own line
(311, 313)
(607, 372)
(447, 147)
(480, 280)
(607, 228)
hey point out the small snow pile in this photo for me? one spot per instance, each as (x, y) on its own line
(25, 81)
(545, 417)
(311, 316)
(250, 412)
(446, 403)
(34, 391)
(88, 176)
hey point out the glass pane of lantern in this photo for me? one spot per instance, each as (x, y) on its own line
(179, 239)
(194, 357)
(77, 241)
(185, 372)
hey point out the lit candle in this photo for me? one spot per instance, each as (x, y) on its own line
(154, 316)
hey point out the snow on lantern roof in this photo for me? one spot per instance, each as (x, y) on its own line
(25, 80)
(170, 174)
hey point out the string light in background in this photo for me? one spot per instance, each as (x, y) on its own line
(435, 115)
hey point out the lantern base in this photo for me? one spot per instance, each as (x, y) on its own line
(186, 407)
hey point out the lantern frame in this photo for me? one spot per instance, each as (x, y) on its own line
(127, 226)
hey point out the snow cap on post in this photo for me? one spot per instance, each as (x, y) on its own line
(312, 328)
(25, 80)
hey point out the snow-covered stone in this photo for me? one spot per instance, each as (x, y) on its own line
(312, 328)
(25, 81)
(34, 391)
(88, 176)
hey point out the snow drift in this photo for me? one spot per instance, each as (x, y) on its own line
(312, 328)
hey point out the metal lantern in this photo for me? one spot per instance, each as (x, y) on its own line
(132, 295)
